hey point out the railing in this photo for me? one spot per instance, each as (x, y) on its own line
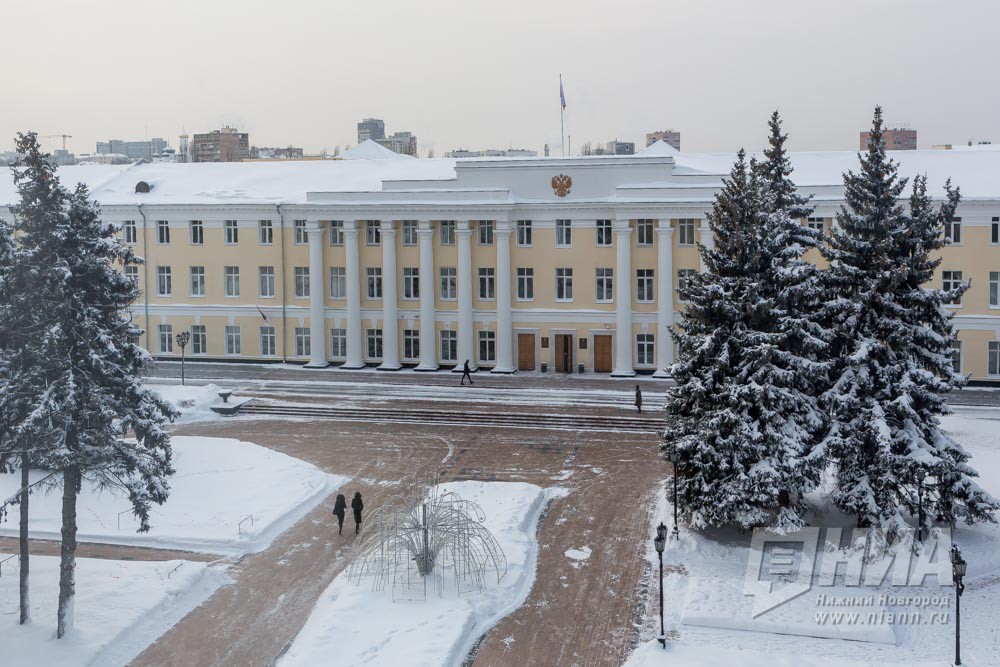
(171, 573)
(239, 526)
(4, 561)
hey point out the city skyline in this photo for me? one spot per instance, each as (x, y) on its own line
(298, 79)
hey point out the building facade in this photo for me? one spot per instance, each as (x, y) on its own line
(135, 150)
(513, 264)
(898, 139)
(225, 145)
(404, 143)
(371, 129)
(669, 137)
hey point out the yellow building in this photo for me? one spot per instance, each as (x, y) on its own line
(509, 263)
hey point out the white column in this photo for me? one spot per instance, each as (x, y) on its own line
(664, 297)
(623, 300)
(465, 343)
(706, 239)
(353, 284)
(505, 358)
(317, 299)
(390, 315)
(428, 333)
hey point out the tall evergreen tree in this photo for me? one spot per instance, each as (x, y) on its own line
(743, 418)
(776, 171)
(74, 364)
(892, 345)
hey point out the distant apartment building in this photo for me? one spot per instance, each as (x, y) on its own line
(135, 150)
(225, 145)
(404, 143)
(371, 128)
(620, 148)
(492, 152)
(667, 136)
(898, 139)
(63, 157)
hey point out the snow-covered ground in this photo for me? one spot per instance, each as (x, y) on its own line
(227, 497)
(194, 402)
(713, 622)
(360, 626)
(120, 608)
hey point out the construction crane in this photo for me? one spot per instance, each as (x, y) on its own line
(54, 136)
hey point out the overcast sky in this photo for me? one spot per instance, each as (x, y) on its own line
(485, 74)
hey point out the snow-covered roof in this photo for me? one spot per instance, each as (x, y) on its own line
(659, 148)
(370, 150)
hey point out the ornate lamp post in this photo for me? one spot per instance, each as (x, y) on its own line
(958, 567)
(921, 474)
(674, 459)
(659, 542)
(182, 341)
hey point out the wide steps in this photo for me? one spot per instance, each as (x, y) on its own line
(469, 418)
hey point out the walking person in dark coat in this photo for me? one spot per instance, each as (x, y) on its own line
(339, 511)
(357, 506)
(466, 373)
(638, 398)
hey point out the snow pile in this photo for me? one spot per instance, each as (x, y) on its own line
(227, 497)
(360, 626)
(120, 608)
(194, 403)
(578, 556)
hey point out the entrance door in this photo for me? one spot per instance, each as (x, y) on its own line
(525, 352)
(564, 353)
(602, 354)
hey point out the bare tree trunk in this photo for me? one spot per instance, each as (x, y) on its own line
(67, 566)
(23, 537)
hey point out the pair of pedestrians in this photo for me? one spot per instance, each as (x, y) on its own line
(340, 511)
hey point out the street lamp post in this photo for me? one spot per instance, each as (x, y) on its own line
(921, 474)
(958, 567)
(182, 341)
(659, 542)
(674, 459)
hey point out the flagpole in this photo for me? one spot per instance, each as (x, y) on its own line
(562, 125)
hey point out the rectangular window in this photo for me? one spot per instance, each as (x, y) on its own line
(336, 232)
(956, 356)
(409, 232)
(373, 232)
(524, 232)
(953, 230)
(447, 232)
(993, 353)
(132, 273)
(166, 335)
(338, 342)
(449, 345)
(231, 232)
(815, 224)
(449, 289)
(265, 232)
(129, 232)
(268, 342)
(485, 232)
(164, 282)
(564, 284)
(994, 289)
(196, 232)
(199, 339)
(197, 281)
(604, 233)
(338, 282)
(411, 283)
(232, 281)
(683, 276)
(952, 280)
(265, 276)
(685, 231)
(374, 338)
(995, 231)
(162, 232)
(525, 284)
(644, 285)
(302, 346)
(300, 237)
(644, 232)
(487, 346)
(374, 282)
(301, 282)
(411, 344)
(487, 284)
(644, 350)
(233, 342)
(605, 285)
(564, 233)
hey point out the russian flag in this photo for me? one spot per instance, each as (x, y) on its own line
(562, 95)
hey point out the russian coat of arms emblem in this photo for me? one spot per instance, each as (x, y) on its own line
(561, 185)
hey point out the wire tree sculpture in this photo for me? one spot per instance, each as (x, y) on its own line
(423, 537)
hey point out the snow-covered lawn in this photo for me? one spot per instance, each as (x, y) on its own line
(227, 497)
(120, 608)
(360, 626)
(714, 623)
(194, 402)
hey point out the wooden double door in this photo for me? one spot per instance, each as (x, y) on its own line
(564, 353)
(525, 352)
(602, 354)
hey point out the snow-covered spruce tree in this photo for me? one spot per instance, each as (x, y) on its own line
(743, 418)
(892, 346)
(74, 361)
(776, 171)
